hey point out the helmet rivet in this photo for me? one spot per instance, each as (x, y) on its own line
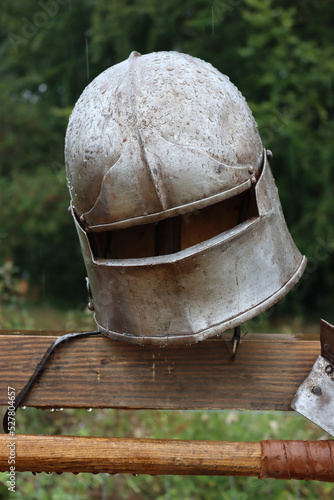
(251, 170)
(82, 219)
(253, 179)
(317, 391)
(329, 369)
(269, 154)
(90, 305)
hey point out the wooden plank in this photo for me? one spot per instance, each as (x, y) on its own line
(102, 373)
(127, 455)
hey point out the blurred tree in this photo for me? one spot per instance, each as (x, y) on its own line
(279, 54)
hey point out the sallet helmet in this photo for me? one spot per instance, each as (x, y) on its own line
(174, 202)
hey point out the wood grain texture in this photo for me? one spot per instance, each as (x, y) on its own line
(99, 372)
(135, 456)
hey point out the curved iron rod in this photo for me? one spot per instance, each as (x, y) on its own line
(39, 370)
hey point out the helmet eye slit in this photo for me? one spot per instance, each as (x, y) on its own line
(167, 236)
(174, 234)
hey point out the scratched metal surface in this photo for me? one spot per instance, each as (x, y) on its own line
(203, 290)
(159, 132)
(162, 135)
(315, 396)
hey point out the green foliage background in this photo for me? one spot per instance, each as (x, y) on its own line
(280, 54)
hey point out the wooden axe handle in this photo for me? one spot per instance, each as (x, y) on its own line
(312, 460)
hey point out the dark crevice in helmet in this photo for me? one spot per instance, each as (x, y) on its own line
(175, 233)
(167, 236)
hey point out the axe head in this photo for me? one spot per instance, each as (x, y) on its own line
(315, 396)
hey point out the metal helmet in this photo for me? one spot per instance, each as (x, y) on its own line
(174, 202)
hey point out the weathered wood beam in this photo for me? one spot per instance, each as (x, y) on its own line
(99, 372)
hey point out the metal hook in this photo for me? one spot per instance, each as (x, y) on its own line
(236, 341)
(39, 370)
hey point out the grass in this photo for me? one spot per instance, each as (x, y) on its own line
(212, 425)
